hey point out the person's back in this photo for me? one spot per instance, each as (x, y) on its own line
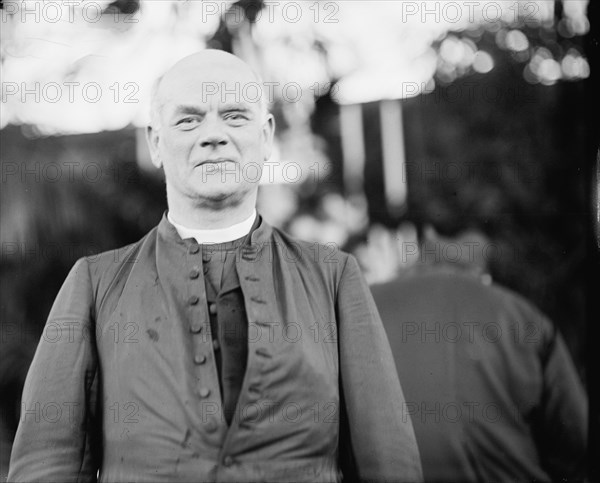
(489, 384)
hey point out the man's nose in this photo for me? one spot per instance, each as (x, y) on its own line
(213, 134)
(213, 140)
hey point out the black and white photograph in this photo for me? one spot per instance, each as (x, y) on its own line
(299, 241)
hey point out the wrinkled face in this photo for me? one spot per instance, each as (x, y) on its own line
(208, 134)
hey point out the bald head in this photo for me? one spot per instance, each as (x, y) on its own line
(219, 73)
(208, 133)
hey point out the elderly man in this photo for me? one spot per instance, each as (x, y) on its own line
(216, 348)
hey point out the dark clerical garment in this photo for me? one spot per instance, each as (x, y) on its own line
(131, 390)
(228, 322)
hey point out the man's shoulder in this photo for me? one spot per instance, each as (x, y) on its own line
(471, 294)
(521, 307)
(104, 263)
(309, 252)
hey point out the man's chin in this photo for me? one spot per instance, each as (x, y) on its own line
(223, 193)
(217, 196)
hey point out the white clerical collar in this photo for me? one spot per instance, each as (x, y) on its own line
(218, 235)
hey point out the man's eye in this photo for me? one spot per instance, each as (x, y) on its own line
(186, 121)
(235, 116)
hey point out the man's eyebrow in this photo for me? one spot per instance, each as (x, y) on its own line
(235, 107)
(189, 109)
(185, 109)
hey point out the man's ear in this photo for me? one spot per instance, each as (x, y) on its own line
(268, 132)
(153, 137)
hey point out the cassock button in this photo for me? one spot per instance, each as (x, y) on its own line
(199, 359)
(216, 345)
(196, 330)
(249, 253)
(193, 249)
(193, 300)
(211, 426)
(228, 461)
(194, 273)
(252, 413)
(254, 392)
(212, 308)
(204, 392)
(206, 257)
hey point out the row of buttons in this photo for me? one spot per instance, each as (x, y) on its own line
(247, 254)
(200, 359)
(211, 425)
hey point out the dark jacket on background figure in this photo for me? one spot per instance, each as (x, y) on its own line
(488, 381)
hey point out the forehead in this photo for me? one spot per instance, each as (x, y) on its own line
(206, 83)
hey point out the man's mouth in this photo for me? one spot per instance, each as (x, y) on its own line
(214, 161)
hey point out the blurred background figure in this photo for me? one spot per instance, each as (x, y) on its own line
(489, 383)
